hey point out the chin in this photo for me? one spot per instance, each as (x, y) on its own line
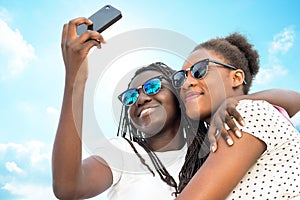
(193, 114)
(152, 128)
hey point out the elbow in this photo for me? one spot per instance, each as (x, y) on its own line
(64, 191)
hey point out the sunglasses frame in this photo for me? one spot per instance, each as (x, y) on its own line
(207, 60)
(160, 77)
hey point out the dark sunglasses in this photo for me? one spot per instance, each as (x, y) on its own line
(198, 71)
(150, 87)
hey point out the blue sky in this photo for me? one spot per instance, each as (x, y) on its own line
(32, 71)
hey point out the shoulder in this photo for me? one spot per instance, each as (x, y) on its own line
(254, 105)
(259, 111)
(265, 122)
(118, 144)
(254, 111)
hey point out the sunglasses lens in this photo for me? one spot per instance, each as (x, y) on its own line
(199, 70)
(178, 78)
(152, 86)
(129, 97)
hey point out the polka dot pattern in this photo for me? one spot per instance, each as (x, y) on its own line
(276, 174)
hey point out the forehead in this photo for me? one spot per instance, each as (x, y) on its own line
(142, 77)
(196, 56)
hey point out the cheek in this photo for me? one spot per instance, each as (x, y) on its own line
(218, 93)
(173, 107)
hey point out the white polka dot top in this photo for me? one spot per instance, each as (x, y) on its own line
(276, 174)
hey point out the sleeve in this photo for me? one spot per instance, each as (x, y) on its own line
(263, 121)
(111, 150)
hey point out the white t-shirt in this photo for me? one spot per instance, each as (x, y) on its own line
(131, 179)
(276, 174)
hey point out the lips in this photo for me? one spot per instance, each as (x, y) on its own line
(144, 111)
(189, 96)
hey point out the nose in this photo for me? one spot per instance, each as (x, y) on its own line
(143, 98)
(190, 81)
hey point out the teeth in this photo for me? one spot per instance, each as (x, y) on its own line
(145, 111)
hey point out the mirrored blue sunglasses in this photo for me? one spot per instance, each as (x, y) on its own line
(150, 87)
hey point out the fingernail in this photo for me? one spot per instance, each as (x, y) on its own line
(243, 122)
(213, 148)
(229, 141)
(238, 133)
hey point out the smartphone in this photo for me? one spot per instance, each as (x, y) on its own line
(102, 19)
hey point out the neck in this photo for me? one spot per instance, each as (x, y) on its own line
(233, 93)
(169, 140)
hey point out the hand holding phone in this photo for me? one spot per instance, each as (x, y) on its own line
(102, 19)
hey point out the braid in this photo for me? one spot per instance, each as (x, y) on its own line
(196, 155)
(160, 168)
(139, 155)
(126, 129)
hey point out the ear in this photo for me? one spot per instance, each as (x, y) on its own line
(238, 77)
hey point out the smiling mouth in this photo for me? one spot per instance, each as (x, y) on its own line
(191, 96)
(144, 112)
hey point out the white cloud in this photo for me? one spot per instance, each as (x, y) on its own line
(27, 170)
(36, 152)
(15, 49)
(37, 158)
(265, 75)
(13, 167)
(53, 117)
(4, 14)
(52, 111)
(281, 43)
(29, 191)
(18, 148)
(33, 181)
(53, 114)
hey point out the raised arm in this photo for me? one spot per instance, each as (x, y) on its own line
(72, 178)
(288, 99)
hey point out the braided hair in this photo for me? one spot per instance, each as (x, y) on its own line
(236, 50)
(127, 130)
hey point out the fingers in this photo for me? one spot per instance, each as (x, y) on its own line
(72, 26)
(212, 136)
(236, 115)
(90, 44)
(229, 121)
(82, 43)
(225, 135)
(87, 36)
(91, 35)
(225, 119)
(64, 35)
(220, 125)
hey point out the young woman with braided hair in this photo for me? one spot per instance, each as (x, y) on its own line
(264, 162)
(153, 153)
(152, 125)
